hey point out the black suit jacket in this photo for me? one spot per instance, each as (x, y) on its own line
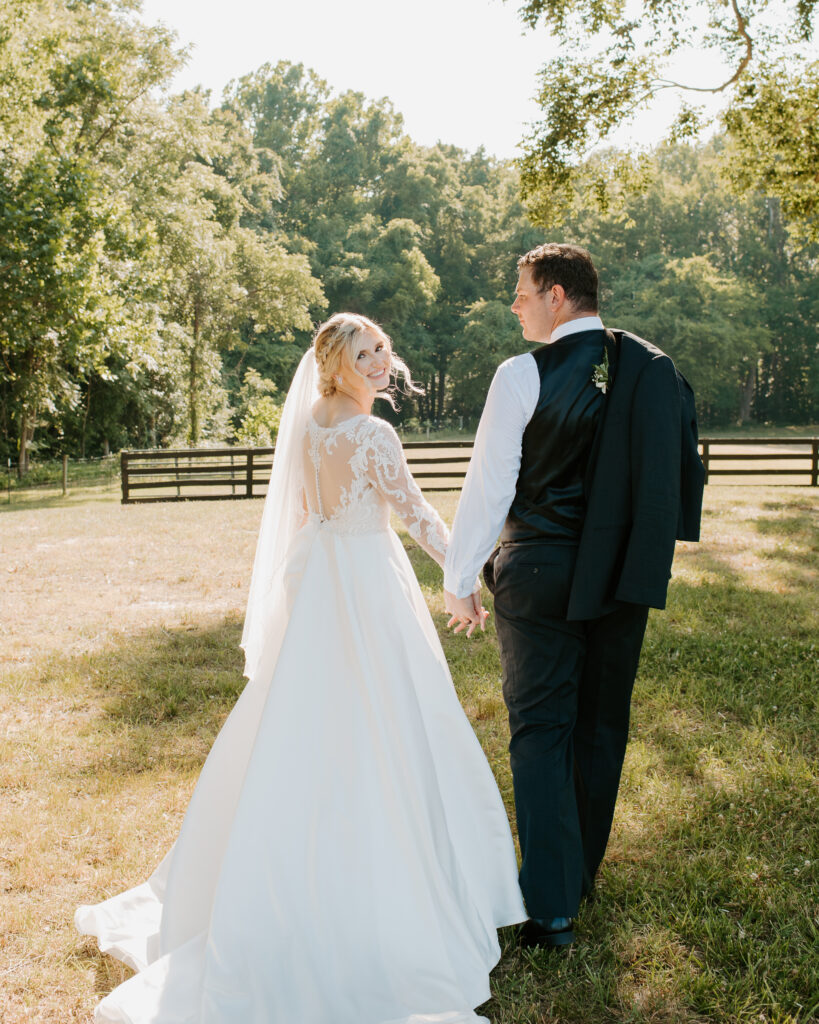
(634, 508)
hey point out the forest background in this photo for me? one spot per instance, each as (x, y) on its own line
(163, 263)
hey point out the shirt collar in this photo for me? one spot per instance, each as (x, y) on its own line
(582, 323)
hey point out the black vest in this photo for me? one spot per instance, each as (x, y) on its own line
(550, 502)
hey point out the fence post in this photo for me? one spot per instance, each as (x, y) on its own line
(814, 463)
(123, 469)
(249, 475)
(65, 475)
(705, 458)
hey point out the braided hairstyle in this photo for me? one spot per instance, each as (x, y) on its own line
(335, 345)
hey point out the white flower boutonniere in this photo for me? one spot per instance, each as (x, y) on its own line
(600, 376)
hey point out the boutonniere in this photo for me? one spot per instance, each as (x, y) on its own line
(600, 375)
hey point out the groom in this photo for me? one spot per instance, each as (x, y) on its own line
(585, 463)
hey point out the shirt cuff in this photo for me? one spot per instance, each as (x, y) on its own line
(459, 587)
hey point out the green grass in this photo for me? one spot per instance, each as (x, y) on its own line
(762, 430)
(80, 472)
(120, 630)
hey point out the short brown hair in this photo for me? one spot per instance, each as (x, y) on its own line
(570, 266)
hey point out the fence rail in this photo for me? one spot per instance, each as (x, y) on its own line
(209, 474)
(801, 455)
(213, 474)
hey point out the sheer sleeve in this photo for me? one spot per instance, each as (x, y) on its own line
(388, 471)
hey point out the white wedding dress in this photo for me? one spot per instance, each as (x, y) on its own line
(346, 857)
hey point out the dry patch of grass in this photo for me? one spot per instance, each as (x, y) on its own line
(119, 630)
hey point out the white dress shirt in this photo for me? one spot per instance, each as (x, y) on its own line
(492, 477)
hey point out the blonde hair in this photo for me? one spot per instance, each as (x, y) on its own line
(335, 344)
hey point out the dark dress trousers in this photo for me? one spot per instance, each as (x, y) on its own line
(586, 549)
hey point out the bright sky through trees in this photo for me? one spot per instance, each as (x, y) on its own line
(462, 71)
(458, 70)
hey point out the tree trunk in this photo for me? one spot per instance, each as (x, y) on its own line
(22, 458)
(747, 396)
(776, 232)
(433, 398)
(193, 388)
(85, 419)
(425, 403)
(441, 388)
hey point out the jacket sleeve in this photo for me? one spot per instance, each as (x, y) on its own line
(655, 442)
(692, 471)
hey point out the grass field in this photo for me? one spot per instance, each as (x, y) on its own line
(119, 631)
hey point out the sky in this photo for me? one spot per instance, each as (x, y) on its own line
(459, 71)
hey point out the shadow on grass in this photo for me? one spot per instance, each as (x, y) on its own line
(161, 696)
(108, 972)
(798, 533)
(701, 916)
(29, 501)
(704, 910)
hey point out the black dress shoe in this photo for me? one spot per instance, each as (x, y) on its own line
(536, 934)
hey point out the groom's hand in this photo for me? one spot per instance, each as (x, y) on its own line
(467, 612)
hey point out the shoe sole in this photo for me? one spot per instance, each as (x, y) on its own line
(548, 940)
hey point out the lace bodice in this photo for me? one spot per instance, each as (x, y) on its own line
(355, 472)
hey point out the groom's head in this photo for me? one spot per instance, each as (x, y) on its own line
(556, 283)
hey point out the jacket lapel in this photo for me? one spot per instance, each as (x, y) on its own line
(615, 408)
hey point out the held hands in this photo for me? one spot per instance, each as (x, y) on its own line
(466, 611)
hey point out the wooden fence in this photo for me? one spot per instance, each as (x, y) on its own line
(209, 474)
(778, 456)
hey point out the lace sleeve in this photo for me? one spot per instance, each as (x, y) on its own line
(388, 471)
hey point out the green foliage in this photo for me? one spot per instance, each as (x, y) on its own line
(713, 281)
(70, 246)
(616, 59)
(126, 242)
(704, 318)
(225, 281)
(411, 236)
(259, 414)
(154, 251)
(260, 424)
(774, 131)
(490, 336)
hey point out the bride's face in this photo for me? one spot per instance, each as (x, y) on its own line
(372, 364)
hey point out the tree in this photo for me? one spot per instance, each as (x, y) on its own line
(491, 335)
(704, 320)
(70, 289)
(281, 107)
(227, 278)
(615, 60)
(132, 244)
(412, 236)
(756, 359)
(258, 414)
(774, 132)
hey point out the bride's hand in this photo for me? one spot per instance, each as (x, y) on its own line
(467, 612)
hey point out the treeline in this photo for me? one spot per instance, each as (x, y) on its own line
(718, 284)
(162, 264)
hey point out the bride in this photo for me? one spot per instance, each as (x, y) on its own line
(346, 857)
